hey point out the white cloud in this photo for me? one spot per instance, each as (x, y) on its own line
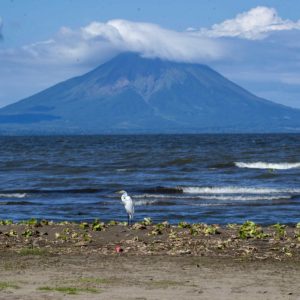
(254, 24)
(154, 41)
(91, 43)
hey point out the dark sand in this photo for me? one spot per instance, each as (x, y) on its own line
(53, 261)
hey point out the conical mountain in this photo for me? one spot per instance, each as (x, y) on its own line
(131, 94)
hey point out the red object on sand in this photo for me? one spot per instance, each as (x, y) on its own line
(118, 249)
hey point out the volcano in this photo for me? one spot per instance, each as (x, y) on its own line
(133, 94)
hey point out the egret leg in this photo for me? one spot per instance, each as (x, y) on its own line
(128, 220)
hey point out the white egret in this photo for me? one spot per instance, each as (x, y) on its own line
(128, 204)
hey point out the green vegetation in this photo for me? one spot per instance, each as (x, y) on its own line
(232, 226)
(159, 228)
(11, 233)
(68, 290)
(164, 283)
(84, 225)
(251, 230)
(97, 225)
(147, 221)
(280, 231)
(61, 236)
(6, 285)
(112, 223)
(184, 225)
(173, 235)
(33, 251)
(27, 233)
(297, 231)
(32, 222)
(211, 229)
(96, 280)
(46, 222)
(6, 222)
(202, 228)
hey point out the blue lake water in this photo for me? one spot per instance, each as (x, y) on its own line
(194, 178)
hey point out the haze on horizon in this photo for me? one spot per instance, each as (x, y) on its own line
(255, 44)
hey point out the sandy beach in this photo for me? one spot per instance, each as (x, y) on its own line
(100, 261)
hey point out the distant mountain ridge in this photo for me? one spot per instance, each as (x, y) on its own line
(131, 94)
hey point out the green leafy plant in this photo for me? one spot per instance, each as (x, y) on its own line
(67, 231)
(211, 229)
(27, 233)
(158, 228)
(297, 231)
(97, 225)
(61, 236)
(74, 235)
(32, 222)
(280, 231)
(11, 233)
(147, 221)
(195, 229)
(204, 229)
(155, 232)
(87, 237)
(232, 226)
(162, 226)
(84, 225)
(251, 230)
(64, 223)
(45, 222)
(6, 222)
(173, 235)
(112, 223)
(184, 225)
(139, 226)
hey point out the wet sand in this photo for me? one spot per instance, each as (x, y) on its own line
(72, 261)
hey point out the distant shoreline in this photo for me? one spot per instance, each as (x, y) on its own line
(116, 134)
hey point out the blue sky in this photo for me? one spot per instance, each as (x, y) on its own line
(254, 43)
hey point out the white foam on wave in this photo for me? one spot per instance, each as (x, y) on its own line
(220, 194)
(144, 202)
(265, 165)
(13, 195)
(244, 198)
(145, 196)
(237, 190)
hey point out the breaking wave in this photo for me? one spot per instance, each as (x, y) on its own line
(144, 202)
(265, 165)
(244, 198)
(13, 195)
(236, 190)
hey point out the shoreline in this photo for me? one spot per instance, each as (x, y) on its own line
(45, 260)
(249, 240)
